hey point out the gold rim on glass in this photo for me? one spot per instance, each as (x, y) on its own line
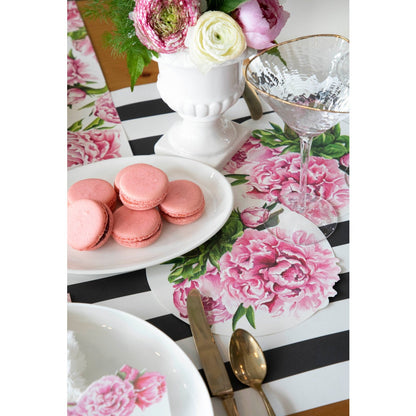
(280, 99)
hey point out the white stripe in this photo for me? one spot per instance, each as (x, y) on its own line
(149, 126)
(140, 93)
(294, 394)
(143, 305)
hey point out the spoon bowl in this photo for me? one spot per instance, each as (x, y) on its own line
(248, 363)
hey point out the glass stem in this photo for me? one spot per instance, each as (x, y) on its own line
(305, 152)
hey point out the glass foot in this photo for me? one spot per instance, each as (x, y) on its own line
(318, 211)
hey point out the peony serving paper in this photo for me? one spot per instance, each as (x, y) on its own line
(255, 273)
(94, 129)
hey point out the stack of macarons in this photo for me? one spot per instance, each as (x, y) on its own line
(146, 196)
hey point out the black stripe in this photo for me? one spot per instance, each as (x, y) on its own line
(341, 235)
(145, 146)
(172, 326)
(299, 357)
(109, 287)
(143, 109)
(342, 287)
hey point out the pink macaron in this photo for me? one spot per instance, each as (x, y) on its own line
(184, 202)
(93, 188)
(118, 176)
(142, 186)
(90, 224)
(136, 229)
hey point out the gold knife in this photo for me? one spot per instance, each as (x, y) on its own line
(212, 363)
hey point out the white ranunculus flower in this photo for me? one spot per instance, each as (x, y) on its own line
(216, 38)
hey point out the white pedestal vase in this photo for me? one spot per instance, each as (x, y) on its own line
(203, 133)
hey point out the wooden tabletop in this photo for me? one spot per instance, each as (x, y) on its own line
(116, 75)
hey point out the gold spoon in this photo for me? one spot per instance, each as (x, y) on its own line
(248, 363)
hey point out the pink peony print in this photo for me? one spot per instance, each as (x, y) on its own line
(149, 389)
(275, 178)
(92, 146)
(73, 16)
(345, 160)
(75, 96)
(254, 216)
(84, 46)
(210, 286)
(130, 373)
(78, 72)
(268, 273)
(105, 109)
(109, 395)
(252, 150)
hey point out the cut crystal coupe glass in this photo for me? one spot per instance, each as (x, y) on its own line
(306, 82)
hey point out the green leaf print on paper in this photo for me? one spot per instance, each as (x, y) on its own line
(242, 311)
(78, 34)
(77, 126)
(193, 264)
(330, 145)
(239, 178)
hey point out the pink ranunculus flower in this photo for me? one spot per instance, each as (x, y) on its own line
(105, 109)
(278, 276)
(150, 17)
(254, 216)
(210, 286)
(75, 96)
(109, 395)
(85, 147)
(149, 389)
(78, 72)
(74, 18)
(261, 21)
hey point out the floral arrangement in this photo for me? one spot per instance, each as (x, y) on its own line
(213, 31)
(118, 395)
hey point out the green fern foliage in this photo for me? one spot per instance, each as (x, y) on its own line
(123, 40)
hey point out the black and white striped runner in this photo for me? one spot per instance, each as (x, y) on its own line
(307, 364)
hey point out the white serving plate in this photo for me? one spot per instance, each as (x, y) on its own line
(175, 240)
(110, 338)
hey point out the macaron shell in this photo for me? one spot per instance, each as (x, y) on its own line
(118, 176)
(184, 202)
(90, 224)
(183, 220)
(93, 188)
(142, 186)
(136, 229)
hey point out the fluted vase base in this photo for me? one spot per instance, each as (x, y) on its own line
(211, 142)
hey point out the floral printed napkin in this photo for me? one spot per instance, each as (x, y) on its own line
(94, 128)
